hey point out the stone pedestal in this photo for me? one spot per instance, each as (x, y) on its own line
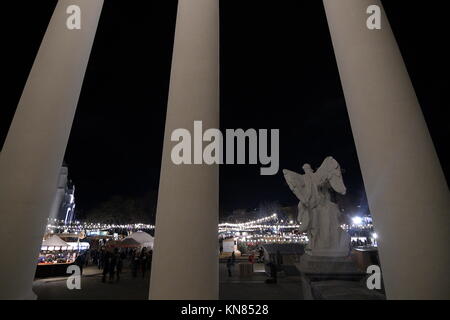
(364, 257)
(315, 269)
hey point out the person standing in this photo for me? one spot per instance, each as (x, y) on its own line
(261, 255)
(229, 266)
(150, 258)
(101, 258)
(87, 257)
(95, 257)
(119, 266)
(134, 263)
(279, 258)
(273, 271)
(143, 261)
(79, 261)
(106, 263)
(113, 264)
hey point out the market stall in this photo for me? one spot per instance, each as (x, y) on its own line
(54, 258)
(138, 239)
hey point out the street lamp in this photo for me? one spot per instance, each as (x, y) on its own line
(357, 220)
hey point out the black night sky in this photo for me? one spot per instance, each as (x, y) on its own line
(277, 71)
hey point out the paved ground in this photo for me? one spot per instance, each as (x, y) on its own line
(231, 288)
(255, 288)
(92, 287)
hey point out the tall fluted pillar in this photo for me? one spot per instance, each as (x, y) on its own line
(405, 185)
(185, 260)
(33, 152)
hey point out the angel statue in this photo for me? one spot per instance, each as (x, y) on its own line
(317, 214)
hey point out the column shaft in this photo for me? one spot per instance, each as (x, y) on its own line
(406, 189)
(33, 152)
(185, 260)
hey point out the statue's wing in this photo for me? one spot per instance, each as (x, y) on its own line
(330, 171)
(297, 184)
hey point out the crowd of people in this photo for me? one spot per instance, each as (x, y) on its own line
(52, 257)
(111, 262)
(360, 243)
(256, 256)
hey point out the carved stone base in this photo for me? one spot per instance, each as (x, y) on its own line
(329, 253)
(326, 265)
(315, 269)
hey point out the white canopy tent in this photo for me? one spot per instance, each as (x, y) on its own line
(53, 243)
(139, 238)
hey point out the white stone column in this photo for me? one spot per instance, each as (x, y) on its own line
(33, 152)
(406, 189)
(185, 260)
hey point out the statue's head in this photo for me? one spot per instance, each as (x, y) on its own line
(307, 168)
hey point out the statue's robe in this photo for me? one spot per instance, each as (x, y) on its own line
(319, 217)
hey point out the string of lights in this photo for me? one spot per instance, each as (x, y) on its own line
(263, 230)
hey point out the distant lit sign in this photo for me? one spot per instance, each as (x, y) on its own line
(97, 233)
